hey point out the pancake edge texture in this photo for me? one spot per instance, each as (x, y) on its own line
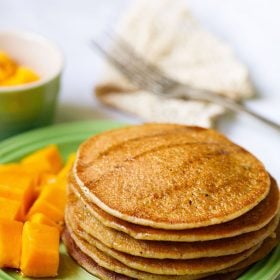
(164, 225)
(188, 235)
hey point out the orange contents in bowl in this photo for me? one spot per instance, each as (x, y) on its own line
(12, 74)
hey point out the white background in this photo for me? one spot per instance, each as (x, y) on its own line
(250, 26)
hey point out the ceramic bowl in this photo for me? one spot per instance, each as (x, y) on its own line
(31, 105)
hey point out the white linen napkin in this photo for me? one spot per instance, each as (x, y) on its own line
(166, 34)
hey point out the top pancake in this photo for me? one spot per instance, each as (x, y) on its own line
(253, 220)
(170, 176)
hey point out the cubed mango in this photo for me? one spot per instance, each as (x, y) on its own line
(40, 218)
(47, 178)
(67, 167)
(10, 209)
(10, 243)
(7, 66)
(11, 193)
(21, 184)
(47, 159)
(44, 179)
(22, 75)
(10, 167)
(48, 209)
(27, 75)
(55, 194)
(20, 169)
(40, 250)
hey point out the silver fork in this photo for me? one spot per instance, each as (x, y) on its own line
(147, 76)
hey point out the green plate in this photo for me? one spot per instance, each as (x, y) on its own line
(68, 137)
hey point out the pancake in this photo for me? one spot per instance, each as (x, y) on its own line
(227, 276)
(87, 263)
(163, 201)
(91, 266)
(267, 246)
(174, 177)
(151, 265)
(103, 141)
(112, 264)
(163, 266)
(160, 250)
(253, 220)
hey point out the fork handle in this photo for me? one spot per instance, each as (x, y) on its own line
(205, 95)
(259, 117)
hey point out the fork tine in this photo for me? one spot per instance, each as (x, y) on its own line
(111, 48)
(123, 64)
(112, 59)
(140, 62)
(125, 52)
(123, 44)
(130, 63)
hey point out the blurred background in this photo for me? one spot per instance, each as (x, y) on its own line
(251, 27)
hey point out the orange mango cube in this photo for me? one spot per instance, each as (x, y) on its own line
(46, 208)
(40, 218)
(19, 169)
(19, 186)
(44, 179)
(10, 193)
(47, 178)
(55, 194)
(10, 243)
(47, 159)
(10, 167)
(67, 167)
(40, 250)
(22, 75)
(8, 66)
(10, 209)
(15, 177)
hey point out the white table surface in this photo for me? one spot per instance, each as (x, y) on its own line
(250, 26)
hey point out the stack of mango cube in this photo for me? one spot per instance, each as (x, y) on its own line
(32, 202)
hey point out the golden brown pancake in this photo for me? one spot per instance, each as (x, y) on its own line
(163, 266)
(90, 265)
(253, 220)
(103, 142)
(151, 265)
(267, 246)
(87, 263)
(122, 242)
(226, 276)
(174, 177)
(112, 264)
(137, 194)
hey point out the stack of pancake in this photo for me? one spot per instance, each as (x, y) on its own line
(161, 201)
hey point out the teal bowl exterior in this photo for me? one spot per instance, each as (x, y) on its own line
(24, 109)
